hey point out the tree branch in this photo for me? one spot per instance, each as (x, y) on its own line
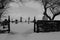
(52, 4)
(55, 15)
(51, 10)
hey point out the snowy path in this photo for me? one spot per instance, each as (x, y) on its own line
(22, 27)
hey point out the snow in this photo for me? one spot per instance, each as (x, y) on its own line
(24, 31)
(57, 17)
(21, 27)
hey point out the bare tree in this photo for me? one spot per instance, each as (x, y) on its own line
(56, 7)
(47, 4)
(3, 3)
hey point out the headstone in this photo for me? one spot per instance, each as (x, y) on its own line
(16, 21)
(20, 19)
(28, 20)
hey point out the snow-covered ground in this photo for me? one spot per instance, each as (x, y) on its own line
(24, 31)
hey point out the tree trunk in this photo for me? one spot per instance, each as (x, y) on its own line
(46, 14)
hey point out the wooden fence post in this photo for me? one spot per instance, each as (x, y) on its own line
(8, 24)
(34, 24)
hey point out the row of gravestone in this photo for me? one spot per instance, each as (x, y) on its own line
(6, 21)
(21, 20)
